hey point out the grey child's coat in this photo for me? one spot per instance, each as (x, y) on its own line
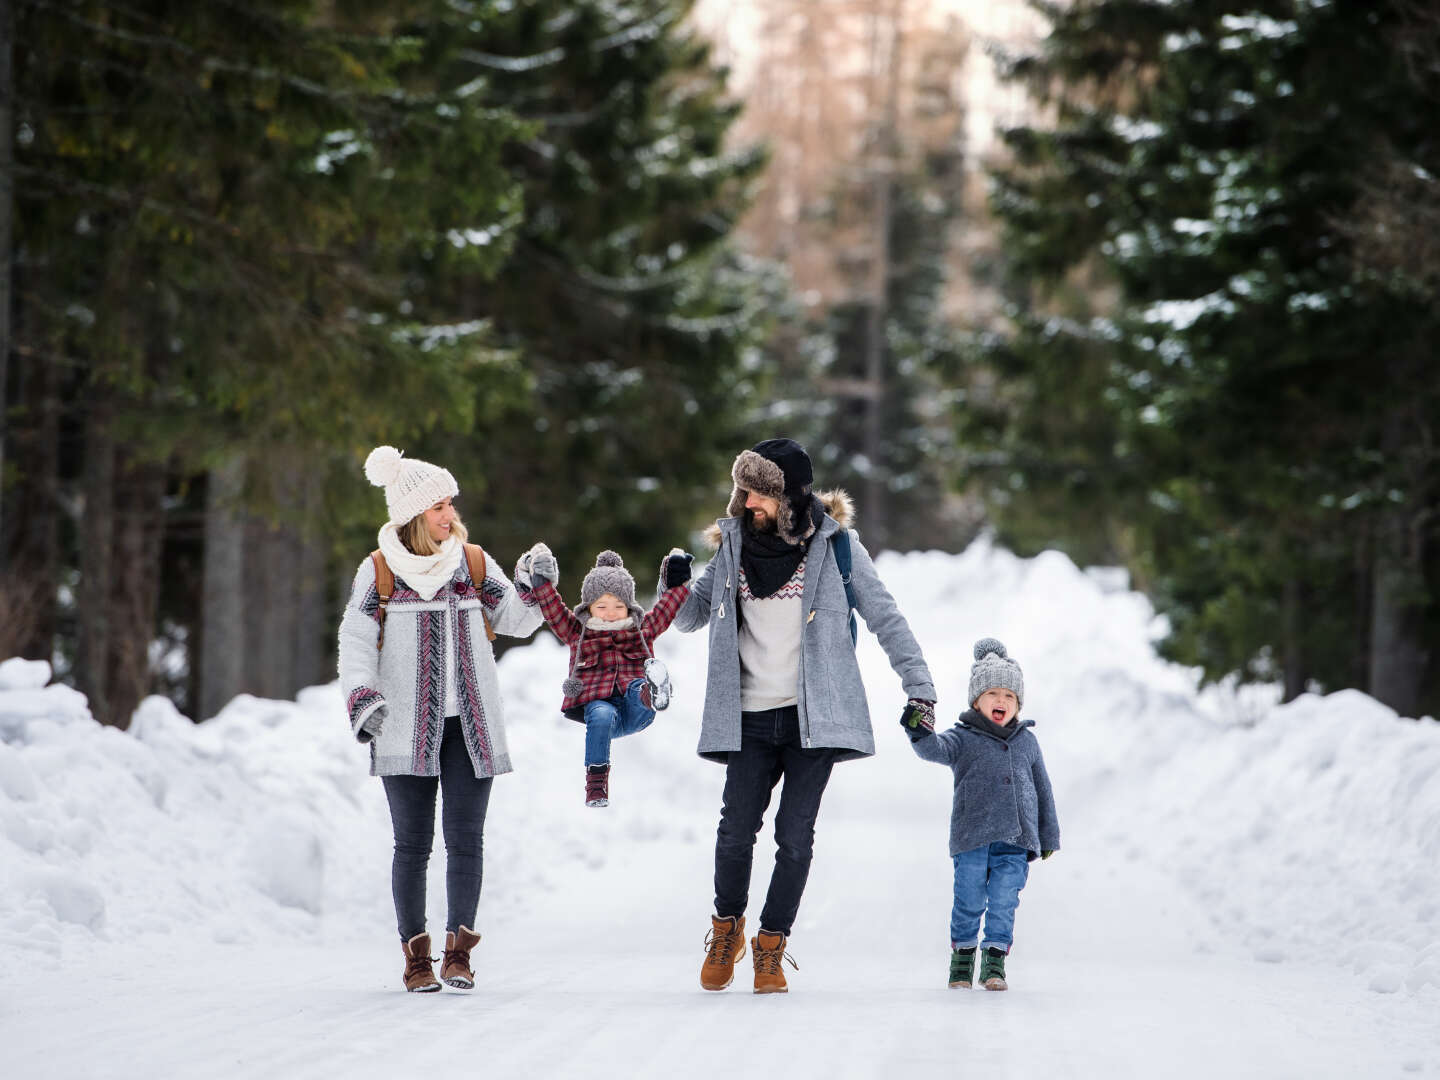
(1002, 791)
(832, 706)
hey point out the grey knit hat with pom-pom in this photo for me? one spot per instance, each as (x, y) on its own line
(609, 576)
(993, 669)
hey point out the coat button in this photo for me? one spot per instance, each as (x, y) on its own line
(1007, 779)
(461, 588)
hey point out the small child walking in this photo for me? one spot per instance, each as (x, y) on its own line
(1003, 814)
(616, 684)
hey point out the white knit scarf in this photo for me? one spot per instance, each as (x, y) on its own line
(596, 623)
(426, 574)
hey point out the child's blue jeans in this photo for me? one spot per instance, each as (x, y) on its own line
(988, 881)
(612, 717)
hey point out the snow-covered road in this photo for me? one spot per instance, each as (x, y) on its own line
(1207, 916)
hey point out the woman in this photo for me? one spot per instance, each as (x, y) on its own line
(418, 675)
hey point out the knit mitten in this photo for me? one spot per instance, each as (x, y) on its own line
(676, 570)
(918, 719)
(543, 566)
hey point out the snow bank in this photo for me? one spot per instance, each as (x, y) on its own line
(1310, 832)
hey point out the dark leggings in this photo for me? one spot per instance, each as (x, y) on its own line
(462, 820)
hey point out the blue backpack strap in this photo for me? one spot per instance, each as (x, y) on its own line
(841, 545)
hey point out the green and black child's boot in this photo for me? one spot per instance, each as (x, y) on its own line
(992, 970)
(962, 968)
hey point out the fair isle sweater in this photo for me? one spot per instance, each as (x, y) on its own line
(410, 675)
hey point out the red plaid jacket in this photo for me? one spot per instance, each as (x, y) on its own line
(608, 660)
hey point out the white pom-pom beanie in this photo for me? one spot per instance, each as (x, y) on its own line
(993, 669)
(411, 486)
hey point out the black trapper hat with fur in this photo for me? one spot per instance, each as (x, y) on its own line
(777, 469)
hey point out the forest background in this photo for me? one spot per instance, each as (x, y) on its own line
(1152, 283)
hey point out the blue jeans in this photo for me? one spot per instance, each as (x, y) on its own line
(612, 717)
(988, 881)
(462, 819)
(769, 750)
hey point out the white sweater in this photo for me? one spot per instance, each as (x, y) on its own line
(771, 631)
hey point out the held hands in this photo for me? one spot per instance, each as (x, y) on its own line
(918, 719)
(676, 570)
(536, 565)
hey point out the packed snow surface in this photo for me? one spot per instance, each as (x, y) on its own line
(1244, 889)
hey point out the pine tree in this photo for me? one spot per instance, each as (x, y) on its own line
(1253, 403)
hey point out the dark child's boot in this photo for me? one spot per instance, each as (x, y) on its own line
(419, 975)
(962, 968)
(992, 970)
(455, 964)
(768, 951)
(597, 785)
(724, 945)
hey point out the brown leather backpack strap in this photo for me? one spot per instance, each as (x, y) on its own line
(475, 558)
(384, 586)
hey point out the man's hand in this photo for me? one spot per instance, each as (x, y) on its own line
(918, 719)
(677, 568)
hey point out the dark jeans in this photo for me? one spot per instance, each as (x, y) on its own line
(462, 820)
(769, 750)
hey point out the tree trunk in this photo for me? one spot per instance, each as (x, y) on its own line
(1293, 659)
(273, 569)
(222, 651)
(7, 207)
(311, 610)
(135, 586)
(1398, 657)
(885, 118)
(97, 564)
(32, 519)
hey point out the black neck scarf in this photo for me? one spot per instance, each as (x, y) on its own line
(768, 561)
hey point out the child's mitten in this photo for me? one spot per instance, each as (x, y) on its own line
(543, 566)
(677, 568)
(918, 719)
(1046, 854)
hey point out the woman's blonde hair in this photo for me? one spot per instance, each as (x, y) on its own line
(416, 537)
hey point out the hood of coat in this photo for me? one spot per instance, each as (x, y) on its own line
(972, 719)
(837, 503)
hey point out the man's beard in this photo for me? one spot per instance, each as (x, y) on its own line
(768, 527)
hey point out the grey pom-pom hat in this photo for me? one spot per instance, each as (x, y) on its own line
(994, 670)
(609, 576)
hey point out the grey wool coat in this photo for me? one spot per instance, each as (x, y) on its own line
(832, 706)
(1002, 791)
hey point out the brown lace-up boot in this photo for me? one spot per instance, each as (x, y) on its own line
(724, 945)
(419, 975)
(769, 951)
(455, 966)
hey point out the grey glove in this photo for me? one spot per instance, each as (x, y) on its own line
(543, 566)
(373, 723)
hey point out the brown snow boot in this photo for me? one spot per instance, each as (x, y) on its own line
(768, 952)
(455, 966)
(419, 975)
(597, 785)
(724, 945)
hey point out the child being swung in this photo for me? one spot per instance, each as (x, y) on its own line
(1003, 814)
(616, 684)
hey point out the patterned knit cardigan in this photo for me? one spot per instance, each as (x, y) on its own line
(409, 675)
(608, 659)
